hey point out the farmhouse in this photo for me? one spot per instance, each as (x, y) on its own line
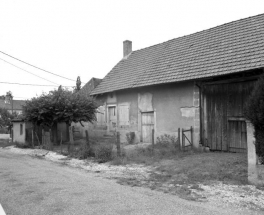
(200, 80)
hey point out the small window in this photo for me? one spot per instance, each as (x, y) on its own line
(21, 129)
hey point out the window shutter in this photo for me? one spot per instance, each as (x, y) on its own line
(100, 115)
(123, 115)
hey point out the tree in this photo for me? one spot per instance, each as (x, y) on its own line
(57, 106)
(254, 112)
(78, 84)
(6, 117)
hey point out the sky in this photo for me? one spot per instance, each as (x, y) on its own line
(84, 38)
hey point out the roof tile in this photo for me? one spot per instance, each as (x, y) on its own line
(225, 49)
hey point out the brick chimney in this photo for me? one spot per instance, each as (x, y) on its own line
(127, 48)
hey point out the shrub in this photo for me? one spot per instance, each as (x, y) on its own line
(82, 152)
(254, 112)
(130, 136)
(22, 145)
(166, 140)
(103, 152)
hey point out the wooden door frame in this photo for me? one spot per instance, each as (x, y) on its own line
(107, 116)
(140, 124)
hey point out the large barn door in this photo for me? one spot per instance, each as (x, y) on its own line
(225, 123)
(147, 124)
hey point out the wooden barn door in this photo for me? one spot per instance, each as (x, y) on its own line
(216, 113)
(225, 123)
(147, 124)
(237, 136)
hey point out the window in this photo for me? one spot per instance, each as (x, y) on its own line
(100, 115)
(21, 129)
(123, 115)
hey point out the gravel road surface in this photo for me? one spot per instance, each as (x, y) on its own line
(35, 186)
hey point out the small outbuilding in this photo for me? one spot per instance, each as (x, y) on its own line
(19, 130)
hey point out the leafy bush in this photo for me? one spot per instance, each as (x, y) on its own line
(3, 130)
(130, 136)
(103, 152)
(166, 140)
(254, 112)
(82, 152)
(22, 145)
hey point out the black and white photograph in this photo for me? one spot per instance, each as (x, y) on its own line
(131, 107)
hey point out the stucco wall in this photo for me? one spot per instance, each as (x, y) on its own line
(17, 137)
(174, 108)
(174, 105)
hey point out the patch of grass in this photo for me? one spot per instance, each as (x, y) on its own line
(179, 173)
(6, 143)
(103, 152)
(205, 167)
(22, 145)
(148, 156)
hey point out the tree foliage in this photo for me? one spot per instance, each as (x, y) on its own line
(60, 105)
(5, 117)
(78, 84)
(254, 112)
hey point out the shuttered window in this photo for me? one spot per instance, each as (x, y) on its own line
(123, 115)
(100, 115)
(21, 129)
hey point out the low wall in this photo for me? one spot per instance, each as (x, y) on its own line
(4, 136)
(255, 170)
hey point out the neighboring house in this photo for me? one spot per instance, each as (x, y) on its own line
(200, 80)
(89, 86)
(13, 105)
(79, 131)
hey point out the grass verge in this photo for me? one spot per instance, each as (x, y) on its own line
(179, 173)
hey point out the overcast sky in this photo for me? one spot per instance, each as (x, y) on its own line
(85, 38)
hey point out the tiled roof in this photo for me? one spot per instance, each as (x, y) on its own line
(229, 48)
(17, 104)
(89, 86)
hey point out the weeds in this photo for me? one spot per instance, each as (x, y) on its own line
(103, 152)
(130, 136)
(22, 145)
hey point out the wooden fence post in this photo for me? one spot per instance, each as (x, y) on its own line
(192, 136)
(183, 140)
(87, 140)
(179, 138)
(33, 138)
(43, 138)
(37, 139)
(70, 145)
(61, 142)
(50, 140)
(152, 134)
(12, 134)
(118, 144)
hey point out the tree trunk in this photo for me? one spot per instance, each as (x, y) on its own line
(55, 134)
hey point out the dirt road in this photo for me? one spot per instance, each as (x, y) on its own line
(34, 186)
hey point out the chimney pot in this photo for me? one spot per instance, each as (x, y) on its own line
(127, 48)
